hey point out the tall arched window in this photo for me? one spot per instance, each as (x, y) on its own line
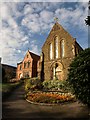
(20, 67)
(24, 65)
(56, 47)
(28, 64)
(62, 48)
(51, 54)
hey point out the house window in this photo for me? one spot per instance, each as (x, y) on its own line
(24, 65)
(27, 56)
(62, 48)
(20, 67)
(28, 64)
(56, 47)
(51, 51)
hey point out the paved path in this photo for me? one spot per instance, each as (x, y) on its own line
(16, 107)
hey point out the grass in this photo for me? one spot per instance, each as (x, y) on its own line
(7, 88)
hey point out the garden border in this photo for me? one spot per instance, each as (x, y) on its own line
(48, 104)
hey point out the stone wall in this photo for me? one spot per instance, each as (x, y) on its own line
(57, 67)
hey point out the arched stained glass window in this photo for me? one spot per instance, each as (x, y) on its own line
(62, 48)
(56, 47)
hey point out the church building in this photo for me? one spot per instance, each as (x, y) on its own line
(58, 51)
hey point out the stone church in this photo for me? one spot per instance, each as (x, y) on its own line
(58, 51)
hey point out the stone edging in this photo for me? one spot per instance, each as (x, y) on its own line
(48, 104)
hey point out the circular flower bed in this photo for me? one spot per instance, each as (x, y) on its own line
(49, 97)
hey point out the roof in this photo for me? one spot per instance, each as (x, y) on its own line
(78, 45)
(34, 56)
(19, 63)
(5, 65)
(55, 27)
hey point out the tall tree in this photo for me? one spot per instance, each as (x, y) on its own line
(79, 77)
(87, 20)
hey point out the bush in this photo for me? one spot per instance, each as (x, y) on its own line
(56, 85)
(79, 78)
(32, 84)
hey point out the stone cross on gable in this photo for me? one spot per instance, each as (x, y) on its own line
(56, 19)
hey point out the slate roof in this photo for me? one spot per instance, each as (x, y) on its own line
(34, 56)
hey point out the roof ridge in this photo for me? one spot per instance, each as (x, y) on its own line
(33, 53)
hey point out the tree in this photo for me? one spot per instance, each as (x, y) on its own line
(79, 77)
(87, 20)
(4, 80)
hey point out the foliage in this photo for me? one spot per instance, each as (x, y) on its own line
(7, 74)
(3, 75)
(87, 20)
(78, 76)
(56, 85)
(50, 97)
(32, 84)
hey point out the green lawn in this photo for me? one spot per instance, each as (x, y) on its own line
(8, 87)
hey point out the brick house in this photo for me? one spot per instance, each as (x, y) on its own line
(58, 51)
(28, 67)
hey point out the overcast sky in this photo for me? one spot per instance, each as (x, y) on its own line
(27, 25)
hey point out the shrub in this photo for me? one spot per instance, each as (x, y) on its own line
(79, 78)
(56, 85)
(32, 84)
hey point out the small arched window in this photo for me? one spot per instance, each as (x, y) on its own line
(73, 49)
(20, 67)
(24, 65)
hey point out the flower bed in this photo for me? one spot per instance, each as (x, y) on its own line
(49, 97)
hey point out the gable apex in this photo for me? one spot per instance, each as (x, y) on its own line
(56, 27)
(33, 55)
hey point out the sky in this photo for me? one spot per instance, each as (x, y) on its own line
(26, 25)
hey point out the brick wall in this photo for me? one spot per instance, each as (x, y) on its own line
(28, 67)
